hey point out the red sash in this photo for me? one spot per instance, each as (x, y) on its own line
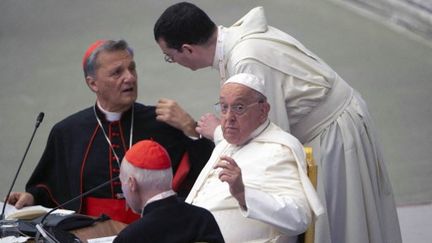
(115, 208)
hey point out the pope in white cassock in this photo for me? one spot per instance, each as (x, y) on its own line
(255, 182)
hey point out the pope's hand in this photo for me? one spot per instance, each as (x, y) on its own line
(231, 174)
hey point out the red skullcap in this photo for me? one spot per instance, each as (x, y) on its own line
(90, 50)
(149, 155)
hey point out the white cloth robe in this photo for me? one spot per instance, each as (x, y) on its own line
(310, 100)
(278, 194)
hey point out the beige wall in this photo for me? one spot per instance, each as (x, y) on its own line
(414, 16)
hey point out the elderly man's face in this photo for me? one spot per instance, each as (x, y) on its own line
(238, 124)
(115, 80)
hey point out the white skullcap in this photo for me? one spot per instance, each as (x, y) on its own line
(248, 80)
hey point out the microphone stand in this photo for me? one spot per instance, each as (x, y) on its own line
(40, 226)
(38, 122)
(45, 235)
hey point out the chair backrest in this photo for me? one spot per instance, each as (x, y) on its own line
(312, 172)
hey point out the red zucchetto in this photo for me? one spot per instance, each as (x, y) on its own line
(148, 154)
(90, 50)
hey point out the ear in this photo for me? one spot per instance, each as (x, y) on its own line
(132, 183)
(187, 48)
(91, 83)
(265, 109)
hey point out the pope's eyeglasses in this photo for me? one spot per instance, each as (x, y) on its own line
(238, 109)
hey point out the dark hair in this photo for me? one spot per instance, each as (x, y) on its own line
(90, 64)
(183, 23)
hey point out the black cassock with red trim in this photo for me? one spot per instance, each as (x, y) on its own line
(78, 158)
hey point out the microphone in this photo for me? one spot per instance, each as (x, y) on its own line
(40, 226)
(39, 119)
(38, 122)
(78, 197)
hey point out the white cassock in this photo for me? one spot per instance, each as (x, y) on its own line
(310, 100)
(278, 193)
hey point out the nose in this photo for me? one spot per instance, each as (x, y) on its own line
(230, 116)
(130, 76)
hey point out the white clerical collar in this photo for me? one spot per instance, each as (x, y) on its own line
(110, 116)
(159, 196)
(259, 130)
(218, 60)
(218, 48)
(232, 148)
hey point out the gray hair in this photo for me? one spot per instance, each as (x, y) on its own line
(258, 96)
(160, 180)
(90, 64)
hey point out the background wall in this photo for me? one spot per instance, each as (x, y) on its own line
(42, 43)
(414, 16)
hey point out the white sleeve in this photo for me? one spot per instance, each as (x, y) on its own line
(278, 197)
(283, 213)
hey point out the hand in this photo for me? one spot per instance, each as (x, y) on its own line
(231, 173)
(21, 199)
(207, 125)
(170, 112)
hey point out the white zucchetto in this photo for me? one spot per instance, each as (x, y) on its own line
(248, 80)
